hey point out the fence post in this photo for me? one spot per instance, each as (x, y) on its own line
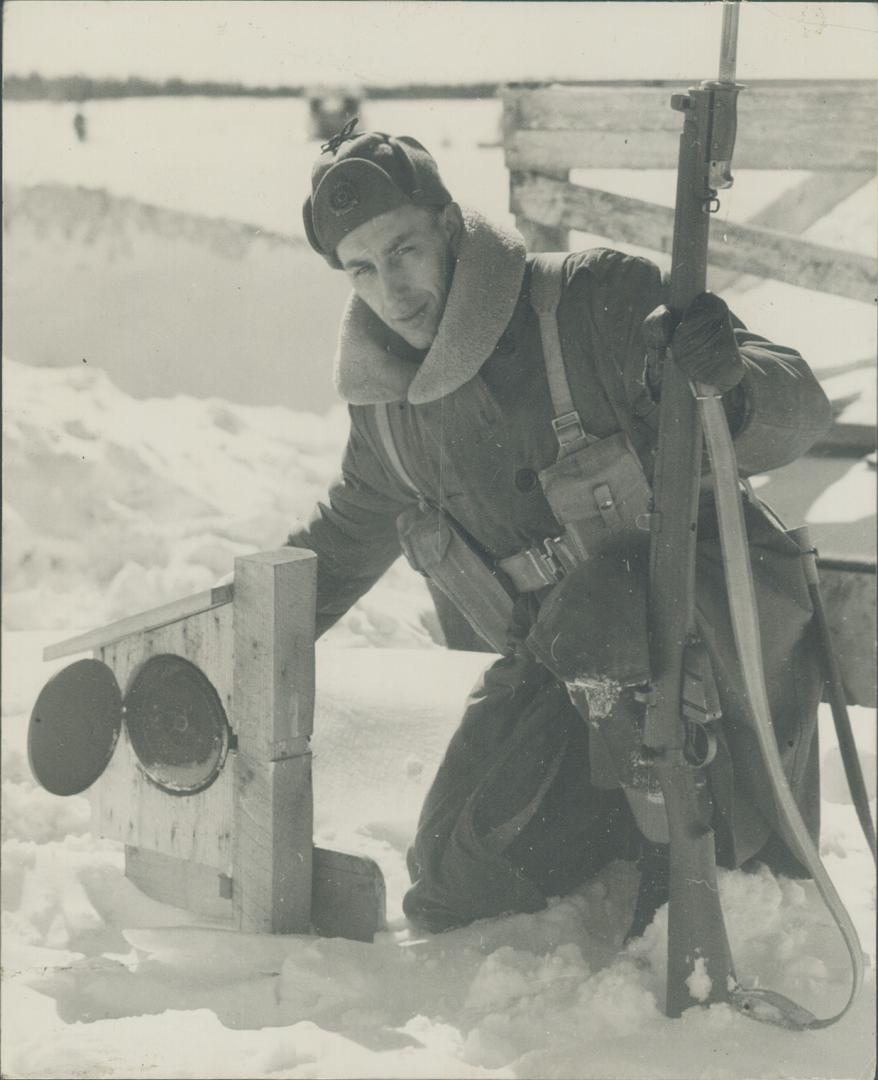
(273, 705)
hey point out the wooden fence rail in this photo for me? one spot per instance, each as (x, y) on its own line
(746, 248)
(824, 128)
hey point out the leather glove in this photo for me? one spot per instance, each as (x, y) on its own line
(702, 343)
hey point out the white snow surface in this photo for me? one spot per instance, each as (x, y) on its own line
(102, 981)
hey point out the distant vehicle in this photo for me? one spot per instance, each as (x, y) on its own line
(330, 107)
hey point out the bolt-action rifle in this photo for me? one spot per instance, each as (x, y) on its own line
(677, 735)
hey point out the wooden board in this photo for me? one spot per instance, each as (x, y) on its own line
(275, 598)
(271, 872)
(126, 805)
(812, 126)
(348, 898)
(203, 890)
(796, 210)
(273, 706)
(845, 440)
(557, 203)
(348, 894)
(848, 590)
(146, 620)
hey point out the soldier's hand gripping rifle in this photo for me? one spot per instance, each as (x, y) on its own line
(699, 960)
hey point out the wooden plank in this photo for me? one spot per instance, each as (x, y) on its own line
(796, 210)
(275, 598)
(204, 890)
(272, 871)
(273, 705)
(811, 199)
(146, 620)
(813, 150)
(848, 590)
(126, 805)
(845, 440)
(348, 898)
(539, 237)
(814, 126)
(641, 105)
(348, 892)
(740, 247)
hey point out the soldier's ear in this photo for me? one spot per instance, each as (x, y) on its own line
(452, 224)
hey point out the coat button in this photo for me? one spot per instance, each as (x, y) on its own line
(525, 480)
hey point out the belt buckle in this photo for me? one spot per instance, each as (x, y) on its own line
(555, 557)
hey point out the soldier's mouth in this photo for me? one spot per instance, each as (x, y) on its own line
(416, 314)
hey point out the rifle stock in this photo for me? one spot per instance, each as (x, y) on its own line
(699, 959)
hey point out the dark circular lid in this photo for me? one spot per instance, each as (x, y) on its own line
(74, 727)
(176, 724)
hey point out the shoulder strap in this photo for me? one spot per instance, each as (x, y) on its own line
(382, 420)
(546, 286)
(546, 279)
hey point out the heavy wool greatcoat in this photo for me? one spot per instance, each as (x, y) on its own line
(472, 421)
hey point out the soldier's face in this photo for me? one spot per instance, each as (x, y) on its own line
(401, 264)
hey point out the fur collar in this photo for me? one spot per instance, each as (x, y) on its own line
(484, 291)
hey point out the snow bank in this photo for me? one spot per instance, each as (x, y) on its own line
(115, 505)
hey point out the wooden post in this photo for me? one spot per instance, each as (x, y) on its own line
(539, 237)
(273, 706)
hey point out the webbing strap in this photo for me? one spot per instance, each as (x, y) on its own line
(745, 625)
(545, 295)
(382, 419)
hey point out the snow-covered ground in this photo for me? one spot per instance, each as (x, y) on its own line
(116, 500)
(101, 981)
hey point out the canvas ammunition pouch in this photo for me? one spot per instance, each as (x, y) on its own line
(598, 492)
(435, 546)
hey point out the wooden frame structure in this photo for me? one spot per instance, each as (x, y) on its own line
(241, 849)
(823, 127)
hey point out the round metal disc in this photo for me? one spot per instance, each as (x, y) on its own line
(176, 724)
(74, 727)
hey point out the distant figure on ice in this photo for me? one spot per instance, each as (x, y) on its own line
(503, 427)
(80, 126)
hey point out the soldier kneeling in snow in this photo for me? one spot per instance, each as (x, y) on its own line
(503, 431)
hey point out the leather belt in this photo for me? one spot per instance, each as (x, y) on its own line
(541, 565)
(546, 563)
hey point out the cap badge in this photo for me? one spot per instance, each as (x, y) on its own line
(343, 198)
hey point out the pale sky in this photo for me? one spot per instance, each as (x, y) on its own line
(300, 41)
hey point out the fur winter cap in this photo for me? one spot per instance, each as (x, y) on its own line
(358, 177)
